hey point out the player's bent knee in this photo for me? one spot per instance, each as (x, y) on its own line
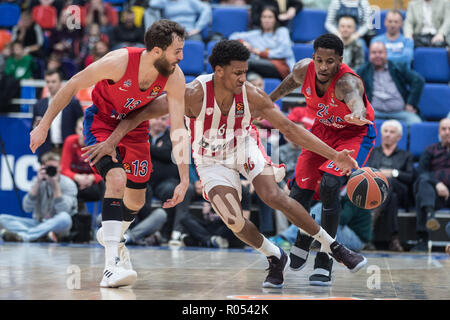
(115, 180)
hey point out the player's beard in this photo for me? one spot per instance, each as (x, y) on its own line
(163, 66)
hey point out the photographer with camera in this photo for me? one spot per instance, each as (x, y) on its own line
(52, 200)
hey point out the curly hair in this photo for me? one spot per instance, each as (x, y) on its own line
(226, 51)
(330, 41)
(161, 34)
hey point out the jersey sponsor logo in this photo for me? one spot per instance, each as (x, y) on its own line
(304, 179)
(122, 89)
(155, 91)
(127, 167)
(239, 109)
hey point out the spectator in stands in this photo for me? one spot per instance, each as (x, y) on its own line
(286, 10)
(20, 65)
(208, 231)
(54, 63)
(358, 9)
(127, 34)
(399, 48)
(101, 13)
(270, 46)
(52, 200)
(29, 34)
(45, 14)
(91, 37)
(193, 15)
(428, 23)
(90, 184)
(432, 185)
(64, 123)
(99, 50)
(397, 165)
(393, 89)
(353, 50)
(165, 177)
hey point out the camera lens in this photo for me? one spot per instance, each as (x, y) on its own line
(51, 171)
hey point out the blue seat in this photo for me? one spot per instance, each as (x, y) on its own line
(432, 64)
(402, 144)
(308, 24)
(434, 103)
(209, 48)
(115, 2)
(269, 85)
(228, 20)
(193, 55)
(302, 50)
(9, 14)
(189, 78)
(421, 135)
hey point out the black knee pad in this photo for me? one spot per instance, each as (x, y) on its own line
(329, 190)
(106, 163)
(302, 196)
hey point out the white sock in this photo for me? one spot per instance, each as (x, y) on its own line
(269, 249)
(125, 226)
(111, 237)
(325, 240)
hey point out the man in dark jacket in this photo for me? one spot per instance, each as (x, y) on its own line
(127, 34)
(432, 186)
(64, 124)
(397, 166)
(386, 85)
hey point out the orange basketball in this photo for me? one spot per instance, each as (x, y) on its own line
(367, 188)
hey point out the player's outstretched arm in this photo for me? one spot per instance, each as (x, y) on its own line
(175, 89)
(262, 106)
(294, 80)
(111, 66)
(350, 89)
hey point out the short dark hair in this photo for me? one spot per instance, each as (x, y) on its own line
(330, 41)
(226, 51)
(394, 11)
(350, 17)
(51, 72)
(161, 34)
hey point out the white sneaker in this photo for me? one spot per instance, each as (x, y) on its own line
(218, 241)
(124, 254)
(115, 275)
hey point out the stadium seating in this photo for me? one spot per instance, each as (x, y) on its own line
(69, 67)
(302, 50)
(402, 144)
(45, 16)
(269, 85)
(228, 20)
(193, 57)
(308, 24)
(434, 103)
(189, 78)
(432, 64)
(9, 15)
(422, 135)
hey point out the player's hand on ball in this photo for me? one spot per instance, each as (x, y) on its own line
(37, 137)
(357, 120)
(97, 151)
(345, 162)
(178, 195)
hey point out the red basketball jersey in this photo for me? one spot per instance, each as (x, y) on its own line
(327, 109)
(115, 100)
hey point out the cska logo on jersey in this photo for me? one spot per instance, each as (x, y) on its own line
(155, 91)
(127, 167)
(239, 109)
(308, 91)
(127, 83)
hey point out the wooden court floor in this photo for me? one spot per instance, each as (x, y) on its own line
(72, 272)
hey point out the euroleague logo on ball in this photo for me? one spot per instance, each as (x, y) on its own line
(367, 188)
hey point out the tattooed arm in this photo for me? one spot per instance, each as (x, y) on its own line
(294, 80)
(350, 89)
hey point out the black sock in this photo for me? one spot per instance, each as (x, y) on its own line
(128, 215)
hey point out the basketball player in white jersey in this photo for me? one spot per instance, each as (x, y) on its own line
(219, 108)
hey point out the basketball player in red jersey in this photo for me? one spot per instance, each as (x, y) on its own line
(343, 120)
(219, 112)
(125, 80)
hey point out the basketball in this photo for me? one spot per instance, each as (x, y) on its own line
(367, 188)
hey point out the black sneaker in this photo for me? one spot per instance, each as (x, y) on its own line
(421, 246)
(352, 260)
(10, 236)
(277, 267)
(322, 270)
(299, 251)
